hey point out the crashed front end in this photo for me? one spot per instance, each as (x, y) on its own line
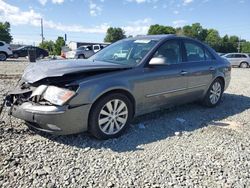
(46, 107)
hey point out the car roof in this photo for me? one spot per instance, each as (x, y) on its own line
(154, 37)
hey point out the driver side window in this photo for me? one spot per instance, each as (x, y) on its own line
(170, 52)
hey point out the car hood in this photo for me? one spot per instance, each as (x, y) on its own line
(56, 68)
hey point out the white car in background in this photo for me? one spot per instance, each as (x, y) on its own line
(238, 59)
(121, 54)
(5, 51)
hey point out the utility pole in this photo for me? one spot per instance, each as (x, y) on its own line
(239, 45)
(42, 30)
(65, 38)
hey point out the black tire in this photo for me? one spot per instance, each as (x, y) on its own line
(15, 55)
(207, 101)
(3, 56)
(41, 56)
(81, 56)
(95, 114)
(244, 65)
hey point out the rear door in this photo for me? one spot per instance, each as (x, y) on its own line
(232, 59)
(201, 67)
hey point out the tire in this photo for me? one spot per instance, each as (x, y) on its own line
(81, 56)
(15, 55)
(214, 93)
(3, 56)
(105, 124)
(41, 56)
(244, 65)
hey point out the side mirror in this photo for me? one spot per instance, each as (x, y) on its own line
(158, 61)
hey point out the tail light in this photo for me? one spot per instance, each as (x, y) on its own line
(9, 48)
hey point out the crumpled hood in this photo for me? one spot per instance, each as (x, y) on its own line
(56, 68)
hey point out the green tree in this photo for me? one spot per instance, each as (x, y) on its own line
(5, 32)
(213, 39)
(49, 46)
(58, 45)
(195, 31)
(114, 34)
(245, 47)
(161, 29)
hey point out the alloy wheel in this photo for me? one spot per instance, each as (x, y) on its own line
(113, 116)
(2, 57)
(215, 93)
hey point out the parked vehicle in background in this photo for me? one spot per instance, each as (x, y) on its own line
(5, 51)
(121, 54)
(221, 54)
(238, 59)
(102, 97)
(24, 51)
(84, 52)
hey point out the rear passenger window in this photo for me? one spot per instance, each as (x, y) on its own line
(243, 56)
(1, 44)
(238, 56)
(194, 52)
(208, 55)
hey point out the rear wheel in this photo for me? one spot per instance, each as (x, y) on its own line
(15, 55)
(244, 65)
(110, 116)
(214, 93)
(41, 56)
(3, 56)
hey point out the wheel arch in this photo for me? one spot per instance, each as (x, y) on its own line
(116, 90)
(222, 79)
(245, 62)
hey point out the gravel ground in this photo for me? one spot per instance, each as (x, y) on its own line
(186, 146)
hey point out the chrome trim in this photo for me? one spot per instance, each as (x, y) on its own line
(165, 92)
(197, 86)
(173, 91)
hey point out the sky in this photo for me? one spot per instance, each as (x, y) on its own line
(88, 20)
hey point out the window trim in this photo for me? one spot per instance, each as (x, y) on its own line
(196, 43)
(179, 41)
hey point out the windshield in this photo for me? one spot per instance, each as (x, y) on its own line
(129, 52)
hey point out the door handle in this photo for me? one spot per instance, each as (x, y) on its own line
(183, 73)
(212, 69)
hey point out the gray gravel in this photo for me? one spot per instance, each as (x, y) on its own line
(186, 146)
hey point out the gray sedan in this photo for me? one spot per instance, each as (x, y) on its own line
(102, 94)
(238, 59)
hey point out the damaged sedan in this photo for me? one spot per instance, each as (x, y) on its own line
(103, 94)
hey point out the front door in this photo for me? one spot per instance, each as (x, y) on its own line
(165, 84)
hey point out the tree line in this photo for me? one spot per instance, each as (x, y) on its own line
(225, 44)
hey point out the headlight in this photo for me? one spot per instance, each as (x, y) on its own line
(58, 96)
(53, 94)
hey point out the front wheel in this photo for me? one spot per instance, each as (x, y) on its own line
(214, 93)
(3, 56)
(110, 116)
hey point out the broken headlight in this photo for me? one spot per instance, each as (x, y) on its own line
(53, 94)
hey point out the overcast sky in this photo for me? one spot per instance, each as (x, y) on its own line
(88, 20)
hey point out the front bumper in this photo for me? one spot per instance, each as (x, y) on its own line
(60, 120)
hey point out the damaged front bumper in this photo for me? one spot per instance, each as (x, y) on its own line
(61, 120)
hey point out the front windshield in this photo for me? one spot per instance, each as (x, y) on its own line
(128, 52)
